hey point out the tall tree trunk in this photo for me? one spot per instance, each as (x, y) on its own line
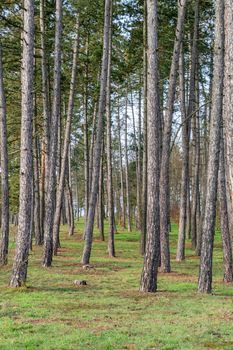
(51, 188)
(122, 192)
(180, 255)
(127, 165)
(191, 107)
(164, 175)
(19, 273)
(225, 228)
(87, 173)
(144, 165)
(151, 260)
(228, 106)
(111, 246)
(60, 190)
(37, 216)
(4, 173)
(99, 138)
(101, 200)
(139, 164)
(46, 116)
(205, 273)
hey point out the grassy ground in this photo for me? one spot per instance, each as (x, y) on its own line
(109, 313)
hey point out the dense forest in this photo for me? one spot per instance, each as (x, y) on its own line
(116, 122)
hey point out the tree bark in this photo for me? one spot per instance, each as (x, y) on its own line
(151, 259)
(51, 188)
(225, 227)
(205, 273)
(4, 172)
(228, 106)
(144, 162)
(19, 273)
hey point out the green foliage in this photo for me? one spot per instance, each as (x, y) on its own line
(109, 313)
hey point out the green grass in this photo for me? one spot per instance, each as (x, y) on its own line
(109, 313)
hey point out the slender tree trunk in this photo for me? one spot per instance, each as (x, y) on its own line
(111, 246)
(37, 221)
(127, 166)
(46, 116)
(99, 138)
(87, 174)
(19, 273)
(180, 255)
(151, 260)
(60, 190)
(100, 201)
(51, 190)
(139, 165)
(4, 173)
(225, 228)
(122, 192)
(164, 175)
(144, 165)
(191, 107)
(228, 107)
(205, 273)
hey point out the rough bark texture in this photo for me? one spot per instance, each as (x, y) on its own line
(99, 137)
(164, 175)
(144, 165)
(225, 227)
(19, 273)
(205, 273)
(228, 105)
(64, 161)
(51, 188)
(151, 259)
(4, 173)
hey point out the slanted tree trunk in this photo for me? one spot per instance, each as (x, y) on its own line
(51, 188)
(151, 259)
(4, 173)
(99, 138)
(19, 273)
(225, 227)
(205, 273)
(144, 162)
(127, 166)
(60, 190)
(180, 255)
(166, 140)
(111, 245)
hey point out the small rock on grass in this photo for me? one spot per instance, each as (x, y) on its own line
(80, 283)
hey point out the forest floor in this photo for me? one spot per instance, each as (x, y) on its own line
(109, 313)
